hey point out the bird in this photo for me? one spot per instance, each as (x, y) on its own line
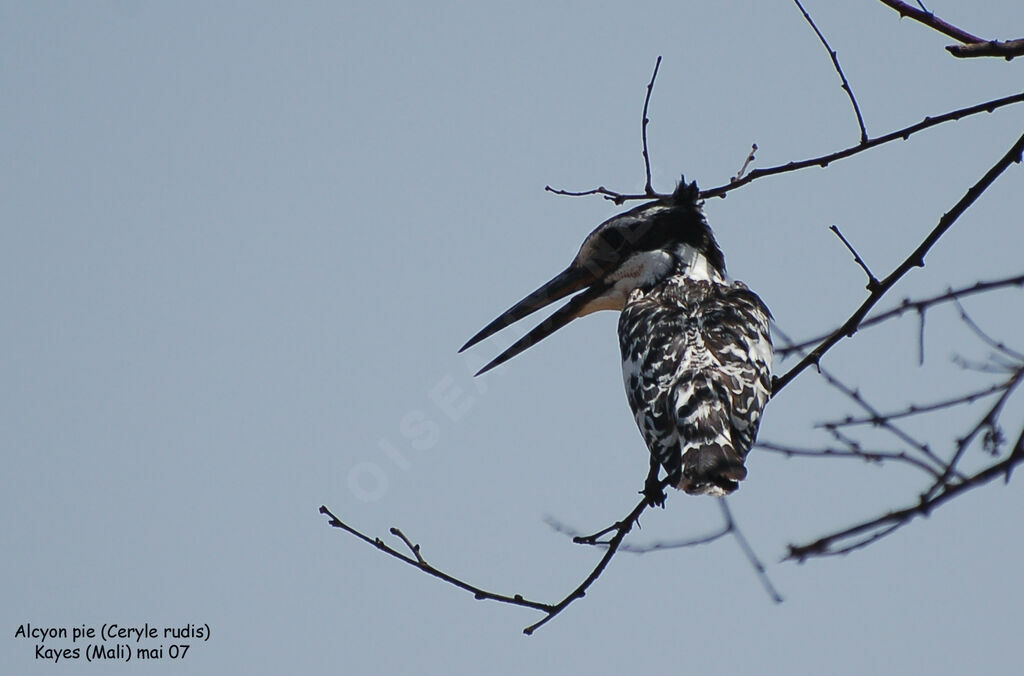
(696, 347)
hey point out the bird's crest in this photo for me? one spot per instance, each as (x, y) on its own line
(686, 193)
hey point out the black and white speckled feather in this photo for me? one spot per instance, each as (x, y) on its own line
(696, 361)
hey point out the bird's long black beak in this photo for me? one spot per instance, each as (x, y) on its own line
(568, 281)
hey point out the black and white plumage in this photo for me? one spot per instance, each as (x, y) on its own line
(696, 348)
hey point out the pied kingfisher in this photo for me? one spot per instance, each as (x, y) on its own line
(696, 348)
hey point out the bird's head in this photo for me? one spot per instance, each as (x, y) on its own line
(636, 249)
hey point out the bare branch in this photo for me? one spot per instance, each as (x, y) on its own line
(855, 450)
(948, 481)
(915, 259)
(622, 529)
(962, 444)
(648, 188)
(877, 418)
(1006, 49)
(946, 484)
(887, 523)
(616, 197)
(550, 610)
(825, 160)
(932, 21)
(420, 563)
(620, 198)
(729, 527)
(918, 305)
(839, 69)
(972, 45)
(872, 281)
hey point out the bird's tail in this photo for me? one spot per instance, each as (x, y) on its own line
(708, 462)
(711, 469)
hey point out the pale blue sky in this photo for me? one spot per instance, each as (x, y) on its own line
(240, 244)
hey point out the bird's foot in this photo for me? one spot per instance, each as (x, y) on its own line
(654, 492)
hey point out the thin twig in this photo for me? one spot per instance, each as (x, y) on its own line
(915, 259)
(746, 163)
(860, 454)
(839, 69)
(648, 188)
(657, 545)
(995, 364)
(913, 410)
(872, 280)
(987, 339)
(920, 337)
(414, 548)
(863, 542)
(610, 195)
(748, 551)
